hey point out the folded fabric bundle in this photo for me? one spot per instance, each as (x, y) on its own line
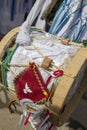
(70, 20)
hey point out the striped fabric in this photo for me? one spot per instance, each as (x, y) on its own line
(70, 20)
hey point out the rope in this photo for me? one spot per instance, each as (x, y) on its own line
(58, 39)
(37, 50)
(4, 64)
(51, 63)
(12, 91)
(11, 71)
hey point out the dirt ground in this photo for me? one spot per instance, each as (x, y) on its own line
(8, 121)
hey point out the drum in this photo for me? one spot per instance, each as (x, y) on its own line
(61, 68)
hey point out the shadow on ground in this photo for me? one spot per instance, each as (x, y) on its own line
(75, 125)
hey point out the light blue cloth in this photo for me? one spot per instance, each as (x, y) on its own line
(80, 29)
(71, 20)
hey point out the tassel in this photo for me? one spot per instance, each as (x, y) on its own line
(27, 118)
(44, 121)
(21, 120)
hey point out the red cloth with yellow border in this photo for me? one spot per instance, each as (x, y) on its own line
(30, 84)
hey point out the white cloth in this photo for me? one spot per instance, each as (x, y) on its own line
(49, 46)
(23, 36)
(42, 23)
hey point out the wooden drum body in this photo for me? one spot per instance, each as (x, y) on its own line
(76, 75)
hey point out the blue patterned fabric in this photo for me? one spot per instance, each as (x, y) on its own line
(71, 20)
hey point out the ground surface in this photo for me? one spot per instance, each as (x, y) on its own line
(9, 121)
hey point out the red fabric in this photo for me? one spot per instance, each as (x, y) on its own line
(26, 121)
(27, 85)
(58, 73)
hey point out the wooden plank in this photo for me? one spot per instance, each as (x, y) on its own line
(74, 102)
(83, 52)
(77, 62)
(77, 67)
(66, 82)
(61, 93)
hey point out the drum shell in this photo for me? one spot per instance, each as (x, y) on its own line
(76, 74)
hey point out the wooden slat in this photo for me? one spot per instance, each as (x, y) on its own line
(74, 102)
